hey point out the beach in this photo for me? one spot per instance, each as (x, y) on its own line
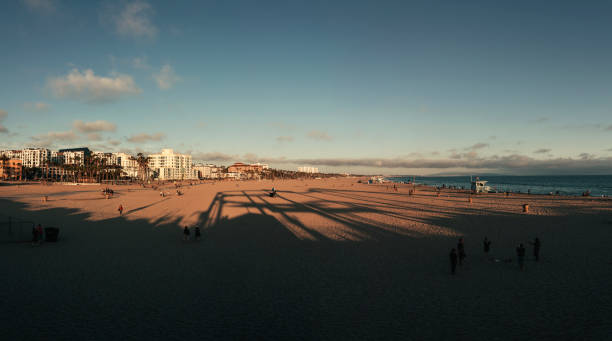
(323, 259)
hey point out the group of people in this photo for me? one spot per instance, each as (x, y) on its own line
(37, 234)
(187, 233)
(457, 255)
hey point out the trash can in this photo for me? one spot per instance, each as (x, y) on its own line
(51, 234)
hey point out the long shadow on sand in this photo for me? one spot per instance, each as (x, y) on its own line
(251, 277)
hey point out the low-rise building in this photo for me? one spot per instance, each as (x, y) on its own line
(311, 170)
(240, 167)
(128, 164)
(11, 169)
(75, 156)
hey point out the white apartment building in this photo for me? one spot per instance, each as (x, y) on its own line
(206, 171)
(263, 165)
(13, 154)
(109, 158)
(308, 170)
(128, 164)
(171, 166)
(57, 158)
(35, 157)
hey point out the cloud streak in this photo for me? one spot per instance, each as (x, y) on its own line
(3, 116)
(166, 77)
(95, 126)
(319, 135)
(282, 139)
(134, 21)
(36, 106)
(142, 138)
(542, 151)
(87, 87)
(41, 6)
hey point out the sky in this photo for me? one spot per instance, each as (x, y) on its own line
(369, 87)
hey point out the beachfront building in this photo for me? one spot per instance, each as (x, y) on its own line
(11, 169)
(240, 167)
(35, 157)
(171, 166)
(109, 159)
(128, 164)
(311, 170)
(57, 158)
(74, 156)
(204, 171)
(12, 154)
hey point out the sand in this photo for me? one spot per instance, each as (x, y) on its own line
(325, 259)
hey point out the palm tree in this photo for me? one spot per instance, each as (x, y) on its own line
(143, 164)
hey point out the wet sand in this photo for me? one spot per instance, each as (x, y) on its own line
(324, 259)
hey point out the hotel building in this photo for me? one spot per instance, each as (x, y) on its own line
(311, 170)
(171, 166)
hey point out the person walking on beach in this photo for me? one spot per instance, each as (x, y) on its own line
(520, 252)
(197, 233)
(186, 233)
(453, 261)
(536, 249)
(39, 231)
(461, 250)
(120, 209)
(487, 245)
(34, 236)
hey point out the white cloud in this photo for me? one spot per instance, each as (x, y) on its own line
(87, 87)
(94, 137)
(477, 146)
(166, 78)
(95, 126)
(140, 63)
(142, 138)
(284, 139)
(134, 21)
(42, 6)
(36, 106)
(50, 138)
(3, 115)
(319, 135)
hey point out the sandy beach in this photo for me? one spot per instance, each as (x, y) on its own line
(324, 259)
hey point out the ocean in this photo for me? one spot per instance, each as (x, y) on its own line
(598, 185)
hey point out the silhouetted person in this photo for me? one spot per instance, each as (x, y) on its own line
(186, 233)
(536, 248)
(120, 209)
(34, 236)
(39, 231)
(487, 245)
(453, 261)
(520, 252)
(197, 233)
(461, 250)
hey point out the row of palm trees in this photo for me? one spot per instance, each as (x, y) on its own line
(92, 169)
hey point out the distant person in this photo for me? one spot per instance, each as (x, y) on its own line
(453, 261)
(197, 233)
(39, 231)
(186, 233)
(34, 235)
(520, 253)
(120, 209)
(461, 250)
(487, 245)
(536, 249)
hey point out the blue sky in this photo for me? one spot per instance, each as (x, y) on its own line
(374, 87)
